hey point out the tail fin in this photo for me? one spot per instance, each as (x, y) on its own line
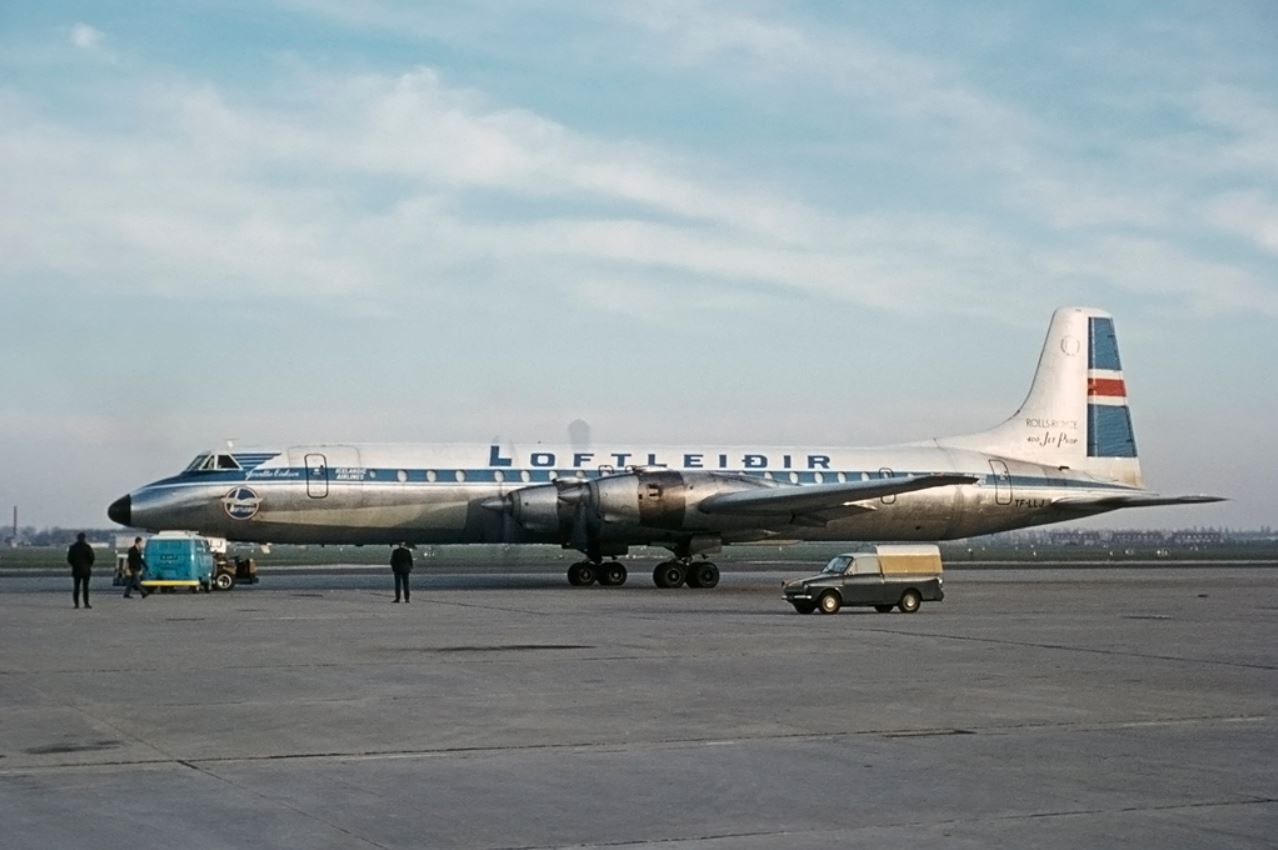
(1076, 413)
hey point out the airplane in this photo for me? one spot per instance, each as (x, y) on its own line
(1068, 452)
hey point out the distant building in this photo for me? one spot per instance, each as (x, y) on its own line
(1196, 538)
(1138, 538)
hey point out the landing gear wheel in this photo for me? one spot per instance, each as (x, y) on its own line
(669, 574)
(581, 574)
(910, 602)
(612, 574)
(883, 609)
(829, 603)
(704, 574)
(804, 607)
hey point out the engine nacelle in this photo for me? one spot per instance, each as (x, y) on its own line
(537, 508)
(660, 499)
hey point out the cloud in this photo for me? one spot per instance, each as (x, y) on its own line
(1248, 125)
(1252, 215)
(368, 187)
(85, 37)
(185, 209)
(1157, 270)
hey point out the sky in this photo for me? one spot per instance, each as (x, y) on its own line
(683, 222)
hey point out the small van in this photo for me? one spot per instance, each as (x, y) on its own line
(178, 559)
(884, 577)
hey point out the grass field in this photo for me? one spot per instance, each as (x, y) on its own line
(955, 554)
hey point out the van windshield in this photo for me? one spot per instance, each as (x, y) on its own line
(837, 566)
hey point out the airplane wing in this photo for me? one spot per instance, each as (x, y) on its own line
(1134, 500)
(822, 500)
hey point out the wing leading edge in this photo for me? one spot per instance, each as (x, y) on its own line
(823, 499)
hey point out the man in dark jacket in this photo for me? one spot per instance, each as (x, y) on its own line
(134, 568)
(401, 566)
(80, 557)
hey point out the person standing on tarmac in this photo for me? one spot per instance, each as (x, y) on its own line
(134, 568)
(401, 566)
(80, 557)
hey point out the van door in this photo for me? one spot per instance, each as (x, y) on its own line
(1002, 483)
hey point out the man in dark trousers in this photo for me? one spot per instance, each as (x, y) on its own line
(401, 566)
(135, 567)
(80, 557)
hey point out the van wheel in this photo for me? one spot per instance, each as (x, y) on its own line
(830, 603)
(804, 607)
(909, 601)
(224, 581)
(883, 609)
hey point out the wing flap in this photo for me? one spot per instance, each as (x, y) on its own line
(820, 499)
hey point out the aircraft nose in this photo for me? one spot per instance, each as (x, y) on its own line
(121, 510)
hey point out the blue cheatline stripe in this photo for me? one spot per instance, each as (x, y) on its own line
(513, 478)
(1109, 431)
(252, 460)
(1102, 353)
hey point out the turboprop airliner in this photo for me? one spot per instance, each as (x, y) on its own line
(1068, 452)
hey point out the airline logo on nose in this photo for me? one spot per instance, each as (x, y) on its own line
(242, 503)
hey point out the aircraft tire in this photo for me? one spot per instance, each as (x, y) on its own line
(884, 609)
(704, 574)
(909, 602)
(829, 603)
(612, 574)
(581, 574)
(669, 574)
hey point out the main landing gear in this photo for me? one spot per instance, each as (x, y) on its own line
(693, 573)
(667, 574)
(608, 573)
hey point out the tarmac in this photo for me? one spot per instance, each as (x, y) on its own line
(1049, 708)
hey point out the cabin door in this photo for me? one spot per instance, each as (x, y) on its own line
(1002, 483)
(316, 475)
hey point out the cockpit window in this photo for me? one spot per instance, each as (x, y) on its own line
(211, 462)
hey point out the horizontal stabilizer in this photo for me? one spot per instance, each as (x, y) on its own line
(822, 497)
(1134, 500)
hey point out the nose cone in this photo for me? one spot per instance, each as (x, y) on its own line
(121, 510)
